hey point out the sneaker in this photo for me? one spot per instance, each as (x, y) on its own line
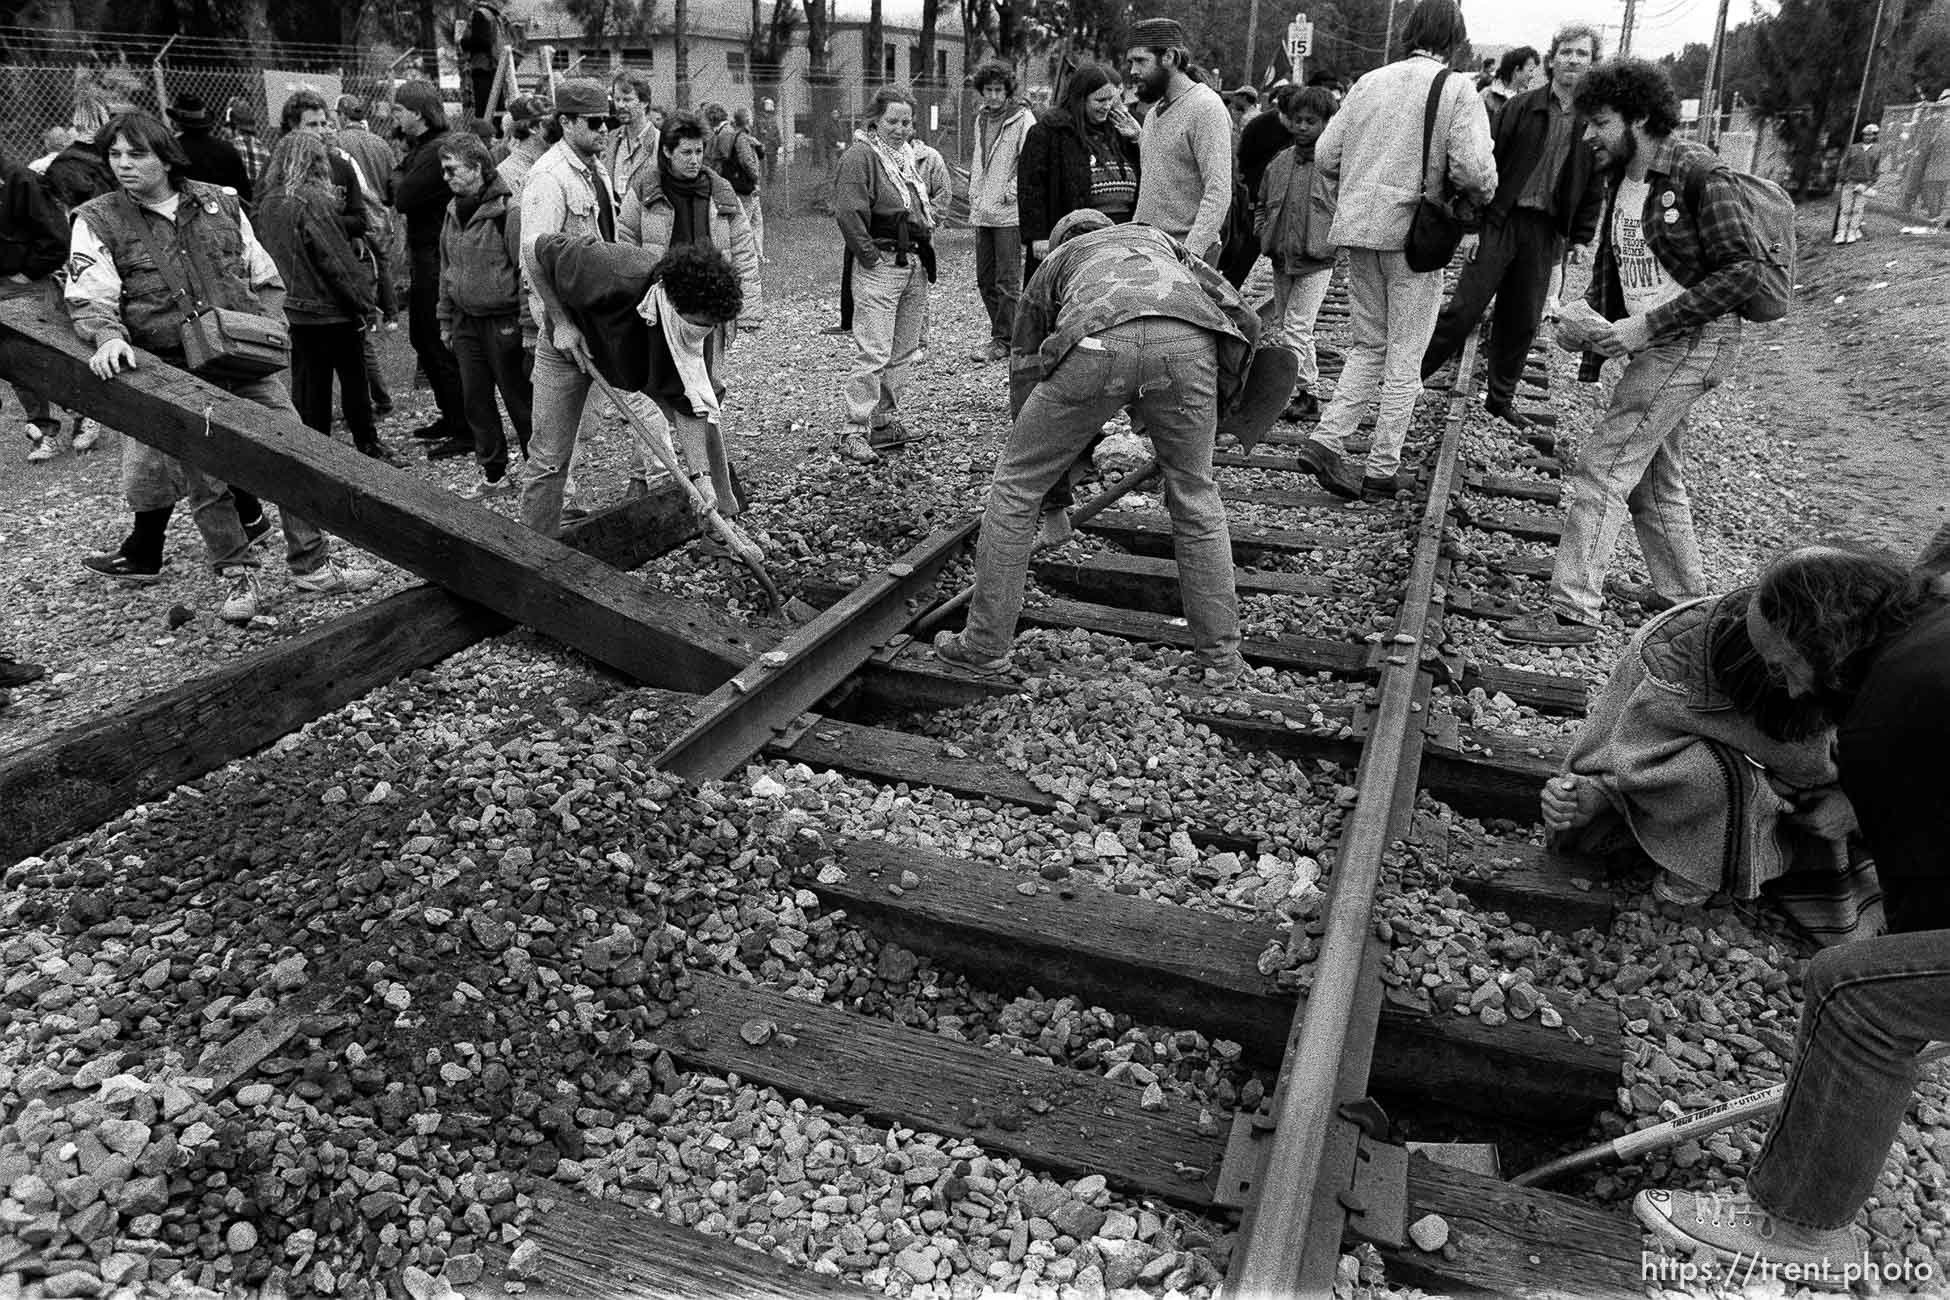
(331, 578)
(1217, 678)
(240, 596)
(15, 673)
(949, 648)
(855, 447)
(120, 567)
(86, 434)
(1679, 891)
(1304, 406)
(257, 530)
(1547, 629)
(1738, 1230)
(40, 446)
(485, 487)
(1330, 468)
(890, 433)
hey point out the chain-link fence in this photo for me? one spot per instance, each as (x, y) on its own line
(76, 80)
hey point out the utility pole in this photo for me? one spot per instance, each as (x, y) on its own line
(1625, 29)
(1709, 104)
(1868, 69)
(1388, 37)
(1252, 39)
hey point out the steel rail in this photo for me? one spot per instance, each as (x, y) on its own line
(1270, 1262)
(743, 715)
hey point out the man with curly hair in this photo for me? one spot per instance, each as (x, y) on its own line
(1869, 641)
(1680, 251)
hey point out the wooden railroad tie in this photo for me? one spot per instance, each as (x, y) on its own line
(473, 553)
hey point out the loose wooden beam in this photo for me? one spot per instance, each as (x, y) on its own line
(1176, 967)
(77, 779)
(471, 552)
(1304, 654)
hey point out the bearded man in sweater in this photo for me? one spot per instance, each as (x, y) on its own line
(1185, 149)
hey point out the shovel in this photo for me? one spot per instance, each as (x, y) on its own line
(732, 536)
(1712, 1119)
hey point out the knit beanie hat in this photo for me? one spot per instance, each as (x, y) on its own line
(1158, 34)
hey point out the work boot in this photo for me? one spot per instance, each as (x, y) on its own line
(1330, 468)
(855, 447)
(1548, 628)
(949, 648)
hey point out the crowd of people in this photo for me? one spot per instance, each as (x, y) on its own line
(1778, 741)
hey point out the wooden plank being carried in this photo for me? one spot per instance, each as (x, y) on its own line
(1175, 967)
(1151, 582)
(76, 779)
(1148, 532)
(1303, 654)
(474, 553)
(1072, 1124)
(593, 1248)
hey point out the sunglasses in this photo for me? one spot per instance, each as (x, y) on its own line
(596, 121)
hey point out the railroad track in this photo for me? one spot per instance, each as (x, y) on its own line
(1295, 985)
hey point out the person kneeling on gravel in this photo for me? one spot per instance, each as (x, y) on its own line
(1116, 316)
(1680, 251)
(1869, 642)
(1694, 753)
(119, 299)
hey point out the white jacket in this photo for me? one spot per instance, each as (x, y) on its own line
(1371, 151)
(992, 172)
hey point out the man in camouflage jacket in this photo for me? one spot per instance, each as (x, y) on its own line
(1115, 317)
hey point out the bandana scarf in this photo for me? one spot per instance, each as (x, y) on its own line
(690, 205)
(686, 341)
(899, 166)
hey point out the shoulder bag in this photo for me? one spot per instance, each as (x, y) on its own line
(1436, 229)
(219, 344)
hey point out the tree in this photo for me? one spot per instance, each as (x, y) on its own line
(874, 68)
(1921, 66)
(612, 22)
(769, 41)
(1688, 70)
(1810, 56)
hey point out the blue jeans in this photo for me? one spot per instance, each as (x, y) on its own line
(1869, 1008)
(1634, 464)
(1166, 371)
(890, 325)
(152, 480)
(560, 389)
(998, 276)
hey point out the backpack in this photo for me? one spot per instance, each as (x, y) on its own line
(739, 176)
(1774, 219)
(33, 228)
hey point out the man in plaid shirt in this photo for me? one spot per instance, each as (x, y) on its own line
(1680, 251)
(241, 131)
